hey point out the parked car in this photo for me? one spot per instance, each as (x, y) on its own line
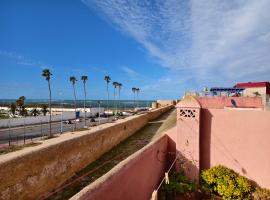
(78, 120)
(67, 122)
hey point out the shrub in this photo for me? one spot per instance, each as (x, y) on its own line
(261, 194)
(178, 184)
(226, 183)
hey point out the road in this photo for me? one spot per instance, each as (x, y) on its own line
(18, 134)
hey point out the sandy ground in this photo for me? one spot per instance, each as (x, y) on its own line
(119, 153)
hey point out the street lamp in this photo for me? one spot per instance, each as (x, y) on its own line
(61, 124)
(99, 102)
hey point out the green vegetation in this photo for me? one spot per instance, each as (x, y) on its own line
(44, 109)
(220, 180)
(179, 184)
(12, 108)
(47, 75)
(256, 93)
(107, 79)
(261, 194)
(84, 79)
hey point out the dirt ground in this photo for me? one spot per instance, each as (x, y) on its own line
(108, 160)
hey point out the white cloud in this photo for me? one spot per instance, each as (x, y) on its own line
(228, 40)
(22, 60)
(131, 73)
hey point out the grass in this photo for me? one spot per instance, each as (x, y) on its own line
(12, 148)
(110, 159)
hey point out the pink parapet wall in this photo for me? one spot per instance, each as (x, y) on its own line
(134, 178)
(222, 102)
(239, 140)
(236, 138)
(188, 136)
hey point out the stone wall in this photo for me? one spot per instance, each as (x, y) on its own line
(28, 173)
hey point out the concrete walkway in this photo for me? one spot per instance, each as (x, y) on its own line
(107, 161)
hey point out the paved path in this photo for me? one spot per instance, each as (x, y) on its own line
(106, 162)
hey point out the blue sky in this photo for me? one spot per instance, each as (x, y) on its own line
(163, 47)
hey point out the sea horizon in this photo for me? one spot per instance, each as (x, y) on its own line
(80, 103)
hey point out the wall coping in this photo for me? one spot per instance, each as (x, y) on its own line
(63, 138)
(189, 102)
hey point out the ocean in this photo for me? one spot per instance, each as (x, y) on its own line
(122, 104)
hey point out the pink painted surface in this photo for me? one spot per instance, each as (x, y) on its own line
(188, 136)
(221, 102)
(137, 179)
(238, 139)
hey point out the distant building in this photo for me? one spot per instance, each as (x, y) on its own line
(226, 91)
(253, 89)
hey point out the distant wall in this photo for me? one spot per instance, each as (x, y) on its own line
(134, 178)
(4, 123)
(166, 102)
(39, 169)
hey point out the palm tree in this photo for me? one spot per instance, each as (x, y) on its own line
(115, 85)
(134, 90)
(84, 79)
(20, 103)
(137, 90)
(119, 89)
(47, 75)
(73, 80)
(12, 109)
(107, 79)
(44, 109)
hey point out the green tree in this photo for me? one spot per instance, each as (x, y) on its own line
(24, 111)
(47, 75)
(115, 85)
(107, 79)
(35, 112)
(44, 109)
(84, 79)
(137, 91)
(256, 93)
(20, 104)
(73, 80)
(120, 85)
(12, 108)
(134, 91)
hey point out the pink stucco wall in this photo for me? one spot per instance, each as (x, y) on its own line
(221, 102)
(238, 139)
(133, 179)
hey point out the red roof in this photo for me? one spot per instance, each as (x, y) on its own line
(254, 84)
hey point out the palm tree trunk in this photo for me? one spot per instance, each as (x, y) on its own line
(114, 99)
(134, 100)
(75, 103)
(108, 96)
(119, 98)
(137, 100)
(50, 99)
(84, 105)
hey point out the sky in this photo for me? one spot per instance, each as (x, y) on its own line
(163, 47)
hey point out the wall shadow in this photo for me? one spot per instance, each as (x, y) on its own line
(205, 139)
